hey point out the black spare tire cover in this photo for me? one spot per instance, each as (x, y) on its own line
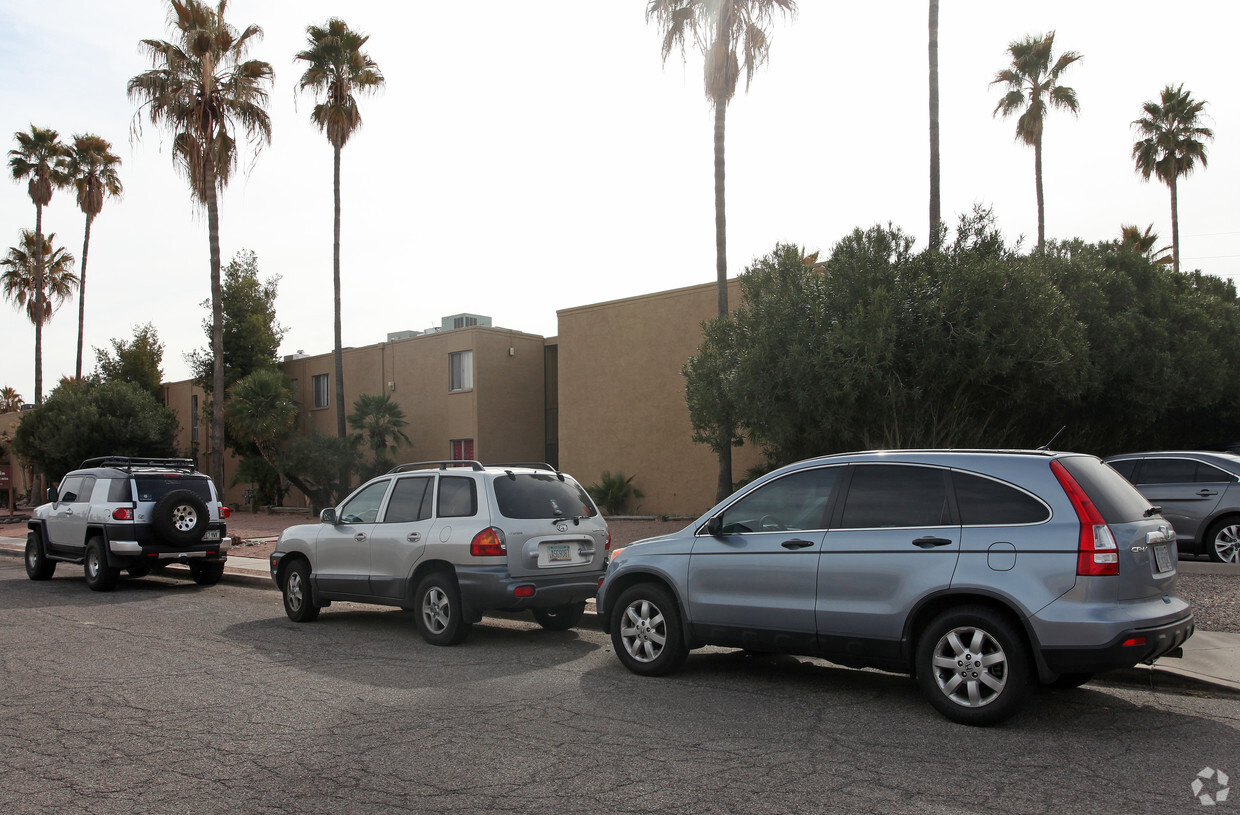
(181, 517)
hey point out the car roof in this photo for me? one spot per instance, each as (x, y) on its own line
(1230, 458)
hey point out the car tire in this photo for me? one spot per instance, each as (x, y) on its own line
(181, 517)
(99, 575)
(206, 573)
(437, 609)
(1223, 541)
(646, 631)
(38, 565)
(298, 596)
(560, 618)
(973, 666)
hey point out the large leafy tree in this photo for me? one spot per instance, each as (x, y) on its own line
(39, 157)
(92, 169)
(380, 424)
(204, 90)
(337, 70)
(732, 36)
(1032, 87)
(1172, 142)
(261, 411)
(38, 277)
(138, 360)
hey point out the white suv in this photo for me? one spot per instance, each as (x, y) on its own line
(450, 540)
(122, 513)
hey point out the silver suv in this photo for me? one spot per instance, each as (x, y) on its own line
(978, 572)
(134, 514)
(450, 540)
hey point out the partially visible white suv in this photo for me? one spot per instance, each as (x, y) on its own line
(450, 540)
(122, 513)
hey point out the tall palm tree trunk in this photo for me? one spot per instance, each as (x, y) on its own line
(1175, 226)
(340, 428)
(1037, 171)
(724, 485)
(38, 305)
(935, 212)
(217, 332)
(77, 371)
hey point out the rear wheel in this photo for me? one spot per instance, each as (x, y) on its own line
(437, 606)
(1223, 541)
(206, 573)
(973, 666)
(38, 565)
(298, 602)
(560, 618)
(646, 632)
(99, 575)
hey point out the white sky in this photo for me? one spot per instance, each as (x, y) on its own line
(530, 157)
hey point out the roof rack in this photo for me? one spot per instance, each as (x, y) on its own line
(129, 463)
(442, 465)
(533, 465)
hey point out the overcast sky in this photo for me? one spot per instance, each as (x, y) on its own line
(526, 158)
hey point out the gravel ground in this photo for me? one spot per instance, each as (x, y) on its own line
(1215, 597)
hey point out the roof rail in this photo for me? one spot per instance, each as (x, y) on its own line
(128, 463)
(533, 465)
(441, 465)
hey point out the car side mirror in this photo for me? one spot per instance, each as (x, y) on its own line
(714, 526)
(52, 495)
(328, 516)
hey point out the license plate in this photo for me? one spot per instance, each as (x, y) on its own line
(555, 554)
(1162, 558)
(559, 553)
(211, 535)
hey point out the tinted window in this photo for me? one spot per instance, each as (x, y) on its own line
(458, 497)
(1167, 471)
(70, 488)
(1211, 474)
(883, 495)
(1125, 467)
(410, 501)
(796, 501)
(154, 487)
(1117, 500)
(985, 502)
(541, 495)
(118, 491)
(363, 508)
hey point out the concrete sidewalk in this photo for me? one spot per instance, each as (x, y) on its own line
(1211, 659)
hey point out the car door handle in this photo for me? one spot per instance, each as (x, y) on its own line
(1206, 493)
(796, 543)
(68, 510)
(930, 542)
(413, 537)
(359, 537)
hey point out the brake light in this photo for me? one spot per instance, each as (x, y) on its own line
(489, 543)
(523, 591)
(122, 514)
(1097, 552)
(225, 512)
(607, 547)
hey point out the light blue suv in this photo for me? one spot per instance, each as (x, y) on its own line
(980, 573)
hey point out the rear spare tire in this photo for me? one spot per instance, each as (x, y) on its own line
(181, 518)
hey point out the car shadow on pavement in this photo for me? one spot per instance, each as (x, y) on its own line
(68, 588)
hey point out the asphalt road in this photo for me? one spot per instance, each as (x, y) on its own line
(164, 697)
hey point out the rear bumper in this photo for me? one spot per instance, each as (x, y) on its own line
(1127, 649)
(484, 588)
(215, 550)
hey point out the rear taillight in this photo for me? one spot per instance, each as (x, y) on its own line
(225, 512)
(1097, 552)
(489, 543)
(607, 548)
(122, 514)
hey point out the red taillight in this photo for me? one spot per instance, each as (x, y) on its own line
(488, 543)
(607, 548)
(1097, 552)
(225, 512)
(1131, 641)
(122, 514)
(523, 591)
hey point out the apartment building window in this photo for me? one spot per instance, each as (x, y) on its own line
(462, 449)
(461, 371)
(321, 392)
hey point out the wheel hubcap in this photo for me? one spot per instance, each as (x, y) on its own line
(1227, 543)
(293, 591)
(435, 610)
(970, 666)
(643, 631)
(92, 564)
(184, 517)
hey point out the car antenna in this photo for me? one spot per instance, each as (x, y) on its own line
(1047, 446)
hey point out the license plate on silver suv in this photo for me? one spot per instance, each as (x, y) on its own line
(559, 554)
(1162, 558)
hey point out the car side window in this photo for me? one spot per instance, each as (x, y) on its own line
(796, 501)
(1126, 468)
(363, 508)
(1212, 475)
(1168, 471)
(885, 495)
(458, 497)
(119, 491)
(70, 488)
(87, 488)
(410, 501)
(986, 502)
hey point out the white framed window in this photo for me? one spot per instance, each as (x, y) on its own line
(460, 371)
(322, 392)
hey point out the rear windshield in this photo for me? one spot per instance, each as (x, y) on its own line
(542, 495)
(154, 487)
(1117, 500)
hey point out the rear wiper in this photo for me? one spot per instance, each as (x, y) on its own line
(576, 519)
(1151, 512)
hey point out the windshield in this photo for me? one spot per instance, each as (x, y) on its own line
(542, 495)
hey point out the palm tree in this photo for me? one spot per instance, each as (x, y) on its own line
(10, 400)
(731, 34)
(40, 156)
(935, 211)
(1033, 87)
(1133, 239)
(91, 168)
(1173, 141)
(203, 90)
(336, 69)
(376, 418)
(40, 294)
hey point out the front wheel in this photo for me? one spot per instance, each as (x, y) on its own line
(560, 618)
(437, 604)
(646, 631)
(298, 601)
(38, 565)
(206, 573)
(973, 666)
(99, 575)
(1223, 541)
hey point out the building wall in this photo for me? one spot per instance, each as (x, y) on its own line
(622, 398)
